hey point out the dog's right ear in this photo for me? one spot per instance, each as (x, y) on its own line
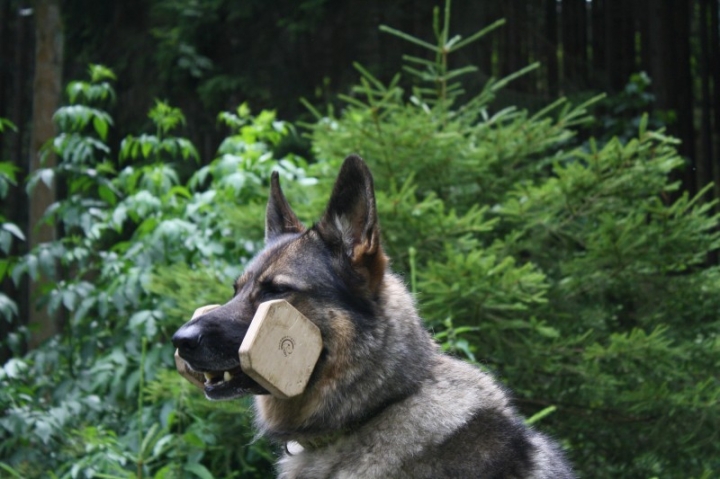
(279, 217)
(350, 220)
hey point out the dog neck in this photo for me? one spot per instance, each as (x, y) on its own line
(338, 402)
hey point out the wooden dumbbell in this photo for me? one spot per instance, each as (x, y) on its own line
(280, 349)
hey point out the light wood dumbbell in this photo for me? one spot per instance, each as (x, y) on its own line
(280, 349)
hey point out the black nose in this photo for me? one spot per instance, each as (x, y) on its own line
(187, 338)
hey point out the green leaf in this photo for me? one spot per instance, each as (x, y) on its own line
(10, 470)
(107, 195)
(12, 228)
(119, 215)
(99, 73)
(69, 298)
(537, 417)
(8, 308)
(194, 440)
(101, 127)
(46, 262)
(199, 470)
(45, 175)
(146, 147)
(5, 241)
(477, 35)
(409, 38)
(8, 170)
(5, 123)
(4, 268)
(166, 472)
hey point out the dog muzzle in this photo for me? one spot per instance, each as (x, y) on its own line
(279, 351)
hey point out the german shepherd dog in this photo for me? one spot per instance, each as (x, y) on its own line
(382, 401)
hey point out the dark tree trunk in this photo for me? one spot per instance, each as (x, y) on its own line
(19, 94)
(619, 42)
(613, 44)
(643, 26)
(682, 91)
(598, 78)
(715, 67)
(512, 56)
(669, 61)
(47, 88)
(6, 67)
(574, 41)
(704, 160)
(551, 57)
(5, 59)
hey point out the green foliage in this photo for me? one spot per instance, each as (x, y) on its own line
(628, 271)
(142, 247)
(621, 115)
(9, 231)
(579, 274)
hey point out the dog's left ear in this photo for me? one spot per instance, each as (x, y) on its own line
(350, 220)
(279, 217)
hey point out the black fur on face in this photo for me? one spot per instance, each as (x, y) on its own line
(335, 265)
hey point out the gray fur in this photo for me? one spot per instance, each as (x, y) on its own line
(426, 435)
(383, 401)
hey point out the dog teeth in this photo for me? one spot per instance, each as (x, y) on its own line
(217, 378)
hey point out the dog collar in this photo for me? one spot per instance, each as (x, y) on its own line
(293, 448)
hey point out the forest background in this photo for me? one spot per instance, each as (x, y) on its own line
(528, 167)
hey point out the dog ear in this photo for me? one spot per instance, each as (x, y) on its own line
(279, 217)
(350, 219)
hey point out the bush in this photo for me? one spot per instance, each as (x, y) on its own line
(578, 274)
(141, 249)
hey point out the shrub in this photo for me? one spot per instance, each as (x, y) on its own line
(142, 248)
(578, 274)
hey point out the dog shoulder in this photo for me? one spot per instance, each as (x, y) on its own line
(493, 438)
(460, 423)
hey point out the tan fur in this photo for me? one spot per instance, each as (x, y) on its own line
(292, 413)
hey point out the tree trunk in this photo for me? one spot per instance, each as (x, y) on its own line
(574, 41)
(619, 42)
(512, 53)
(5, 54)
(682, 93)
(669, 61)
(642, 10)
(47, 87)
(715, 66)
(704, 160)
(551, 56)
(598, 78)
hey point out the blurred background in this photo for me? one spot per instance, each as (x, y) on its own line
(204, 56)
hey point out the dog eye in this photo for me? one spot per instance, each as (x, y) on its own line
(273, 289)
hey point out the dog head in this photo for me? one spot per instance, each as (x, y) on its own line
(330, 272)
